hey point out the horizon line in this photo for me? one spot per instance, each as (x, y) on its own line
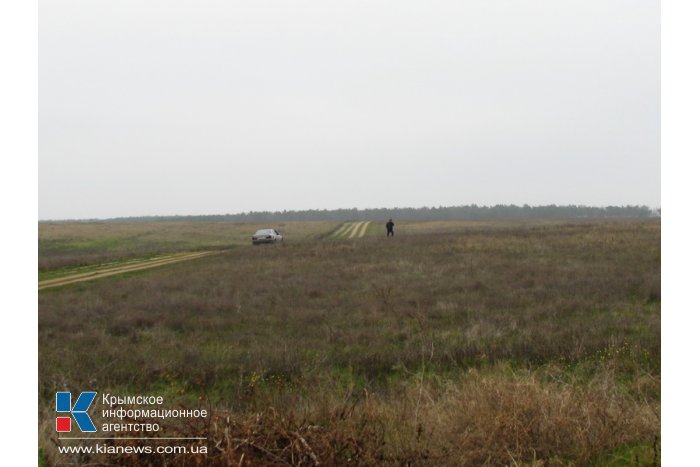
(244, 213)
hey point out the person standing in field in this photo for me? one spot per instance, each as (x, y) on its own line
(390, 228)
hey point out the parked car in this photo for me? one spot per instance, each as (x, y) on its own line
(267, 236)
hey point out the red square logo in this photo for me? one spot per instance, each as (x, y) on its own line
(62, 424)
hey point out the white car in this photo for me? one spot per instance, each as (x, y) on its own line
(267, 236)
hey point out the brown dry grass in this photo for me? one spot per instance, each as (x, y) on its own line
(69, 244)
(482, 418)
(501, 344)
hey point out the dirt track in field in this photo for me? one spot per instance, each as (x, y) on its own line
(351, 230)
(131, 267)
(347, 230)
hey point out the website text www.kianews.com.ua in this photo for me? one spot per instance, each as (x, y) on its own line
(101, 448)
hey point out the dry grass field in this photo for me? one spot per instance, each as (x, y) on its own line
(456, 343)
(67, 245)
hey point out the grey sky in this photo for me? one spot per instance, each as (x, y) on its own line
(209, 107)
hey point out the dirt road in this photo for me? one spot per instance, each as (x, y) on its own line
(121, 269)
(341, 231)
(363, 231)
(351, 230)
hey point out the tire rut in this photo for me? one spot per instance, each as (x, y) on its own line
(111, 271)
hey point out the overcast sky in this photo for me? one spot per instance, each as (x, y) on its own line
(212, 107)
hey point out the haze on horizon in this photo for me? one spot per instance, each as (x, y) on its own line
(188, 108)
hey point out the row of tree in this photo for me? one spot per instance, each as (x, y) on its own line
(470, 212)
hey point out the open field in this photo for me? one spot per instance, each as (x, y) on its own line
(71, 245)
(456, 343)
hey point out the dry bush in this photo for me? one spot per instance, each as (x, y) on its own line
(500, 422)
(484, 418)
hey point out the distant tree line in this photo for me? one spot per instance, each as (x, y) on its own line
(470, 212)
